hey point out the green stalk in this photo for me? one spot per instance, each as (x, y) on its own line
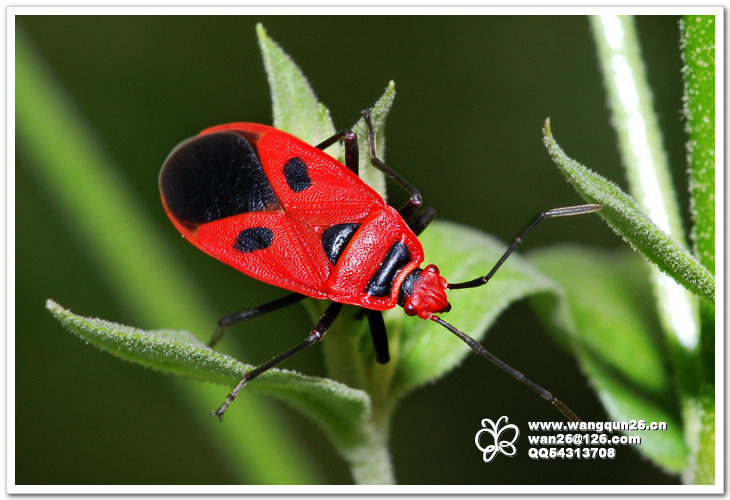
(370, 461)
(644, 158)
(698, 36)
(88, 191)
(646, 164)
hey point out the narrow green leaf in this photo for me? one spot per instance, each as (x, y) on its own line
(295, 107)
(607, 312)
(298, 111)
(369, 174)
(337, 408)
(627, 219)
(637, 126)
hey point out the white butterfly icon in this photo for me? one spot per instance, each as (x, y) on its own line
(504, 446)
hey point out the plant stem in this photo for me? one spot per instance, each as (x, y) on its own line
(370, 461)
(643, 155)
(698, 43)
(368, 454)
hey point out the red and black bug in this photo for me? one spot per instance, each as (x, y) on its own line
(288, 214)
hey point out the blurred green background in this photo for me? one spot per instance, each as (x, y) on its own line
(473, 93)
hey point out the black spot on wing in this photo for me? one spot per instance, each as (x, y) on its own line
(296, 175)
(254, 238)
(213, 176)
(381, 284)
(335, 239)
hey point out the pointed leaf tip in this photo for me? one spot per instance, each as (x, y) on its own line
(624, 216)
(340, 410)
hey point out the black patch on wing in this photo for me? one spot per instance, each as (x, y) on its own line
(254, 238)
(213, 176)
(296, 175)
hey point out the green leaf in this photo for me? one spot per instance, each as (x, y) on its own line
(627, 219)
(295, 107)
(369, 174)
(338, 409)
(643, 156)
(298, 111)
(607, 314)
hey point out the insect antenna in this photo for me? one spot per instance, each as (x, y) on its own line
(556, 212)
(477, 347)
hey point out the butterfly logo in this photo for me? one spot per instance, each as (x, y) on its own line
(496, 430)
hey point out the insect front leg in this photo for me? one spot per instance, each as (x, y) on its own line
(477, 347)
(556, 212)
(317, 333)
(415, 201)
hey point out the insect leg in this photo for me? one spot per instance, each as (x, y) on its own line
(419, 222)
(379, 335)
(556, 212)
(415, 200)
(349, 138)
(477, 347)
(317, 333)
(247, 314)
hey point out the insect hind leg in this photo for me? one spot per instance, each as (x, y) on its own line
(317, 334)
(254, 312)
